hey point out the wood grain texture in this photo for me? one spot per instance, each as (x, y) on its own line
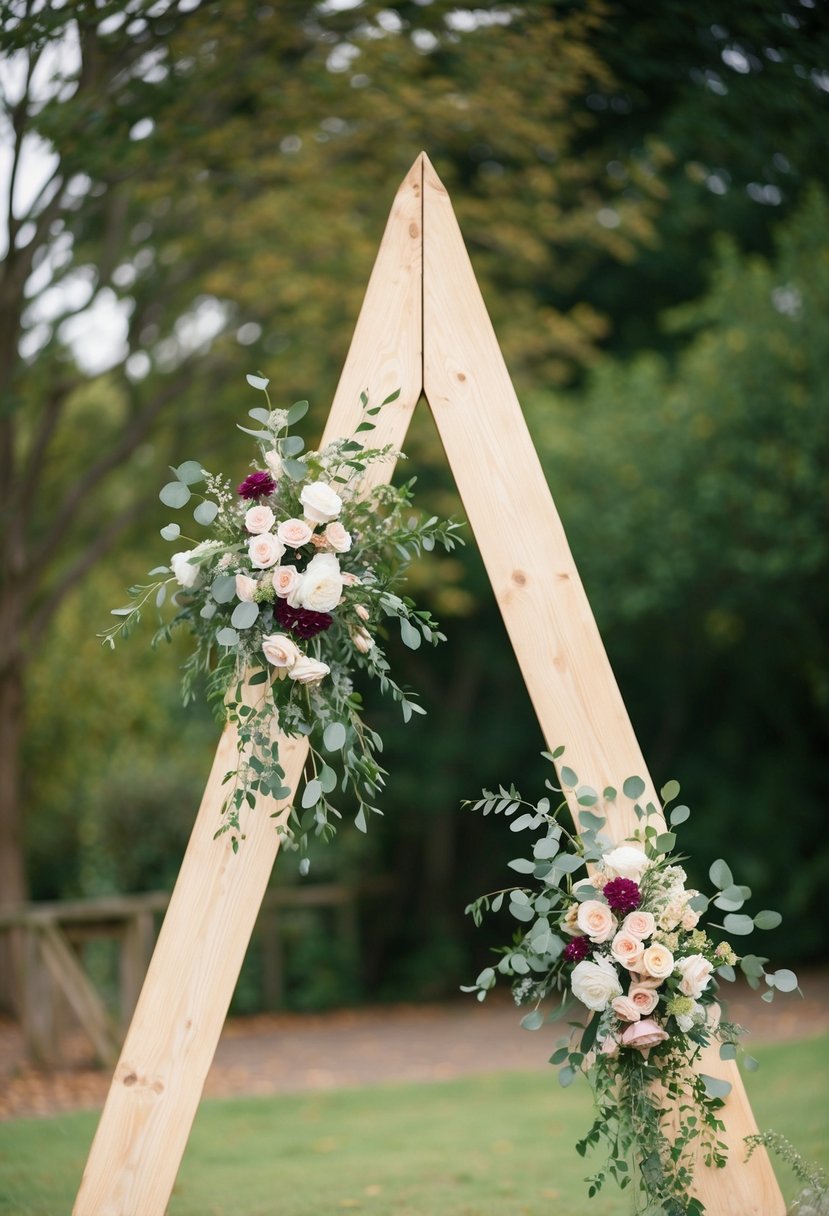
(540, 594)
(160, 1075)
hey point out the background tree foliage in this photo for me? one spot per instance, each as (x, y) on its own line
(219, 177)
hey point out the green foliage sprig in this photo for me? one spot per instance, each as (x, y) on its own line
(287, 599)
(612, 930)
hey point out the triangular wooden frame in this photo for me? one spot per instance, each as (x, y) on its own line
(423, 328)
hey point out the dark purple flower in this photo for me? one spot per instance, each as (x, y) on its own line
(577, 949)
(302, 622)
(622, 894)
(256, 485)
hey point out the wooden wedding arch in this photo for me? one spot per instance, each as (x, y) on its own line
(423, 328)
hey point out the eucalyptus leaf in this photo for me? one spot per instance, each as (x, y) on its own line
(244, 614)
(191, 472)
(669, 791)
(171, 531)
(292, 445)
(750, 1064)
(521, 911)
(738, 924)
(311, 794)
(533, 1021)
(727, 972)
(679, 815)
(227, 637)
(224, 588)
(360, 821)
(721, 875)
(334, 736)
(566, 1076)
(665, 842)
(784, 980)
(521, 865)
(161, 595)
(295, 469)
(327, 779)
(208, 611)
(634, 787)
(260, 382)
(175, 494)
(206, 512)
(728, 1051)
(731, 899)
(411, 636)
(714, 1086)
(767, 919)
(568, 777)
(297, 411)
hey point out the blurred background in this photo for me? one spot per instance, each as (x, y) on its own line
(196, 190)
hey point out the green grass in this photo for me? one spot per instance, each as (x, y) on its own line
(499, 1145)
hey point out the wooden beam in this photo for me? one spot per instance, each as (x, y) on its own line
(70, 978)
(541, 597)
(159, 1078)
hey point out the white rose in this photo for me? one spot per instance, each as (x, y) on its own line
(274, 462)
(595, 984)
(320, 587)
(187, 575)
(338, 538)
(246, 588)
(657, 961)
(626, 861)
(259, 519)
(696, 974)
(596, 920)
(265, 550)
(639, 924)
(320, 502)
(628, 951)
(294, 532)
(281, 651)
(308, 671)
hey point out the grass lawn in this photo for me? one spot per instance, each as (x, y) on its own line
(498, 1145)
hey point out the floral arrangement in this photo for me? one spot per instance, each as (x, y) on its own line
(286, 599)
(616, 931)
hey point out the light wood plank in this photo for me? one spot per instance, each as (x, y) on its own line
(159, 1078)
(540, 594)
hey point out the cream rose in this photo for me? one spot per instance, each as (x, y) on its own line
(643, 1035)
(625, 1009)
(596, 920)
(320, 587)
(696, 974)
(274, 462)
(186, 573)
(595, 984)
(246, 588)
(626, 861)
(259, 519)
(644, 997)
(570, 923)
(320, 503)
(350, 580)
(690, 919)
(285, 579)
(338, 538)
(265, 550)
(281, 651)
(657, 961)
(294, 532)
(627, 950)
(639, 924)
(308, 671)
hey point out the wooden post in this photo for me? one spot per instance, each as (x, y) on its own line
(159, 1078)
(422, 297)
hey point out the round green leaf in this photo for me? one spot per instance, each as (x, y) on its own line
(784, 980)
(311, 794)
(533, 1021)
(292, 445)
(714, 1086)
(298, 410)
(171, 531)
(738, 924)
(334, 736)
(566, 1076)
(721, 875)
(327, 779)
(634, 787)
(411, 636)
(227, 636)
(767, 919)
(190, 472)
(224, 588)
(259, 382)
(679, 814)
(175, 494)
(750, 1064)
(206, 512)
(669, 791)
(728, 1051)
(568, 777)
(244, 615)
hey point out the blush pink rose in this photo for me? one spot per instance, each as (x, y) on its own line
(265, 550)
(285, 579)
(627, 950)
(657, 961)
(363, 640)
(639, 924)
(338, 538)
(350, 580)
(259, 519)
(609, 1046)
(625, 1009)
(294, 532)
(644, 997)
(246, 588)
(596, 920)
(643, 1035)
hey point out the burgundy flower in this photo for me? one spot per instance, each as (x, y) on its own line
(256, 485)
(577, 949)
(302, 622)
(622, 894)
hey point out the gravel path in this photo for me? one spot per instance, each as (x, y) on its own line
(291, 1053)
